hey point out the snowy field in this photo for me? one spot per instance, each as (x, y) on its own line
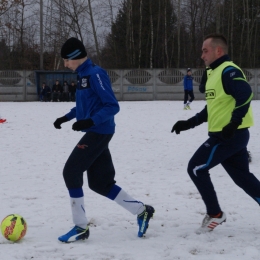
(150, 165)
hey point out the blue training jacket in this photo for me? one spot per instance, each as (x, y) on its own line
(188, 82)
(95, 99)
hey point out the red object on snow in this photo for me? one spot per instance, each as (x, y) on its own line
(2, 120)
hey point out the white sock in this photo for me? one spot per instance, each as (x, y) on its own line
(129, 203)
(78, 212)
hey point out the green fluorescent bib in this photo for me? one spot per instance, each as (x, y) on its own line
(220, 105)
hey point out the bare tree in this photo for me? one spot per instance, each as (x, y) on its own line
(231, 28)
(151, 34)
(256, 52)
(6, 5)
(166, 36)
(140, 33)
(68, 18)
(94, 30)
(179, 32)
(157, 37)
(241, 36)
(129, 34)
(151, 38)
(106, 12)
(17, 28)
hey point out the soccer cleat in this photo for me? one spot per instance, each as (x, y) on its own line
(143, 219)
(75, 234)
(187, 107)
(209, 223)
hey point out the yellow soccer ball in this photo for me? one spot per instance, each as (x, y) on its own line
(13, 227)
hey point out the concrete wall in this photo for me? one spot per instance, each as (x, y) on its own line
(128, 85)
(18, 86)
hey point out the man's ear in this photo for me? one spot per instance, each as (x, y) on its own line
(220, 51)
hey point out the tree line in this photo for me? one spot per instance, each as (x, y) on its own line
(121, 34)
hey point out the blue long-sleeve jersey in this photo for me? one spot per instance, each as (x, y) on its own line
(95, 99)
(188, 82)
(234, 84)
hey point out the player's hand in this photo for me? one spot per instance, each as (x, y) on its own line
(82, 124)
(181, 126)
(59, 121)
(229, 130)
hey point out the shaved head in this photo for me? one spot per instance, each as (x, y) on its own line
(218, 40)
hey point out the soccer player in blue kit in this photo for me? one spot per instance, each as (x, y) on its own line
(95, 108)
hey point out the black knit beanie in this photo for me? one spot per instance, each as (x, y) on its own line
(73, 49)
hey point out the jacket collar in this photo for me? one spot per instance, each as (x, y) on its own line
(219, 61)
(84, 65)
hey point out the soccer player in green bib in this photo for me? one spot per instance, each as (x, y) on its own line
(229, 116)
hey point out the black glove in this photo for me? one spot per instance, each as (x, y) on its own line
(82, 124)
(181, 126)
(60, 121)
(229, 130)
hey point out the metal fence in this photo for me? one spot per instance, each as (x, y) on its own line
(128, 85)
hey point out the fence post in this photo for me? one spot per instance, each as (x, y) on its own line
(154, 85)
(24, 86)
(121, 84)
(257, 80)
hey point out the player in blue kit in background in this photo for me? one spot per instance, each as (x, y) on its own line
(95, 108)
(188, 89)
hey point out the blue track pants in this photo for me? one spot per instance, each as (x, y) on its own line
(91, 154)
(232, 155)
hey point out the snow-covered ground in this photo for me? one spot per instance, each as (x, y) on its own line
(150, 165)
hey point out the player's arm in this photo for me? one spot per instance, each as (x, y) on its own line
(235, 84)
(101, 85)
(64, 119)
(71, 114)
(196, 120)
(203, 81)
(185, 82)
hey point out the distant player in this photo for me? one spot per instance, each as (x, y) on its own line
(188, 89)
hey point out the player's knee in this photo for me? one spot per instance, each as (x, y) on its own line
(66, 172)
(72, 179)
(97, 188)
(100, 188)
(190, 168)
